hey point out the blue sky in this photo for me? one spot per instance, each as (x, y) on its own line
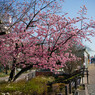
(73, 6)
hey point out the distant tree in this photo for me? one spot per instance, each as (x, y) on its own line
(71, 66)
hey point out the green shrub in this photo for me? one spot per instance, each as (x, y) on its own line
(36, 86)
(11, 87)
(3, 75)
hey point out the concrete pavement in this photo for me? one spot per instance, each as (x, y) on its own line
(91, 85)
(23, 76)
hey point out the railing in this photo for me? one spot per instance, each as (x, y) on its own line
(72, 80)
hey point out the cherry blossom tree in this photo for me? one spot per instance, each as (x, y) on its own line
(25, 13)
(42, 41)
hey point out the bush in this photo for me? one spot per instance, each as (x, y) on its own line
(11, 87)
(36, 86)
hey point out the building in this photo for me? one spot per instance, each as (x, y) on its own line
(84, 55)
(86, 58)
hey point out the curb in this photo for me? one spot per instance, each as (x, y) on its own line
(86, 90)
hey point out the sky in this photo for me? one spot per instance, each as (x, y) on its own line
(72, 7)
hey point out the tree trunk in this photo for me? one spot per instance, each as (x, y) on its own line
(6, 69)
(22, 71)
(11, 74)
(13, 70)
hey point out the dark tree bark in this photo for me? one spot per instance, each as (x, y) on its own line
(11, 74)
(12, 71)
(22, 71)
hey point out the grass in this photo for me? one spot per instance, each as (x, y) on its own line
(3, 75)
(36, 86)
(81, 87)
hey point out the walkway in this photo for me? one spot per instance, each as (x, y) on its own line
(91, 85)
(23, 76)
(89, 88)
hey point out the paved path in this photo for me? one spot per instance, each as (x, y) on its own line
(3, 78)
(89, 88)
(27, 76)
(91, 69)
(91, 85)
(81, 92)
(21, 77)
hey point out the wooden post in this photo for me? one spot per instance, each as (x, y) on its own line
(82, 72)
(87, 76)
(75, 83)
(82, 79)
(66, 90)
(70, 88)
